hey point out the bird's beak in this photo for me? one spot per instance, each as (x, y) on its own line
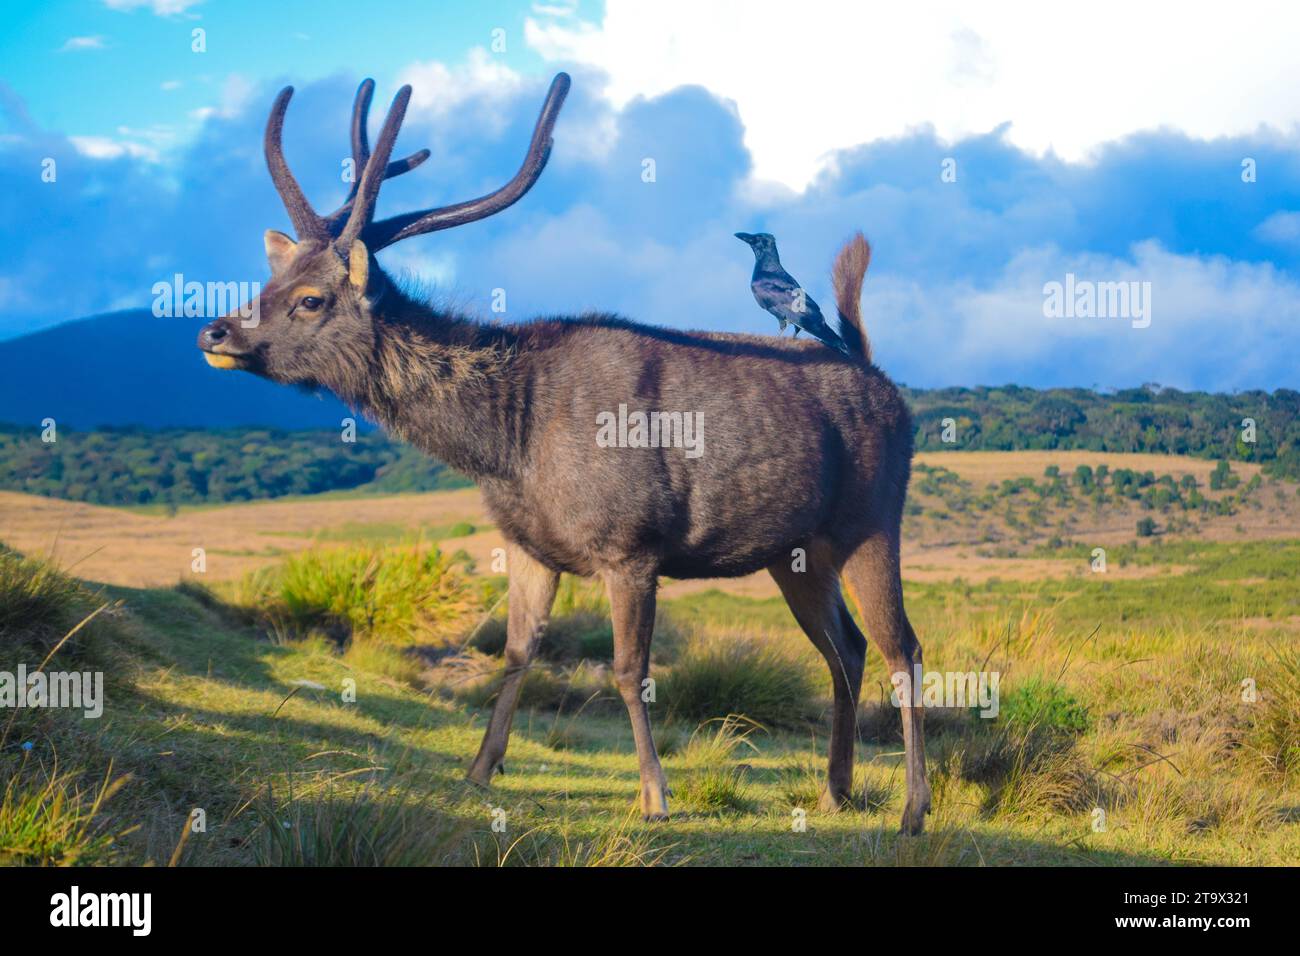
(745, 237)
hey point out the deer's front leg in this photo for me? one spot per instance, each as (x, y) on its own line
(531, 594)
(632, 607)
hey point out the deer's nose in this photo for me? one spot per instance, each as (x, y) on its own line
(213, 334)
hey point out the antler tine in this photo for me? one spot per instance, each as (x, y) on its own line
(306, 223)
(360, 114)
(361, 155)
(363, 205)
(380, 234)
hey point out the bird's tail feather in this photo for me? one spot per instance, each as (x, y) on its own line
(850, 268)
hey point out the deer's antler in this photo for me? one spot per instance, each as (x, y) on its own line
(361, 154)
(377, 235)
(355, 218)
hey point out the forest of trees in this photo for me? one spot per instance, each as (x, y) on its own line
(1149, 419)
(132, 466)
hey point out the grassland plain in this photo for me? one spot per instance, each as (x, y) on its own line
(1150, 714)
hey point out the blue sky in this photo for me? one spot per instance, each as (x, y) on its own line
(1121, 161)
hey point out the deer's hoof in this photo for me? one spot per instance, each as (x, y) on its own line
(654, 801)
(832, 801)
(914, 816)
(481, 773)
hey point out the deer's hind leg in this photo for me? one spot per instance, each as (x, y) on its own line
(531, 594)
(632, 611)
(818, 605)
(874, 579)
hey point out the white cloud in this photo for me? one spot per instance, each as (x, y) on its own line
(162, 8)
(1215, 323)
(236, 96)
(104, 147)
(822, 76)
(73, 44)
(438, 89)
(1281, 227)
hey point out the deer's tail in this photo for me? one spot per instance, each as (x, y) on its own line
(850, 268)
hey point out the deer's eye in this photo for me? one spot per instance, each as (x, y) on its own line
(311, 302)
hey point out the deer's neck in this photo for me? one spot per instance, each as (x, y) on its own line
(447, 385)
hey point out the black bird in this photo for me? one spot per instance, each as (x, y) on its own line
(777, 292)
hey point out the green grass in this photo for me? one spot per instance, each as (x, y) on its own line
(50, 818)
(1120, 696)
(767, 679)
(395, 595)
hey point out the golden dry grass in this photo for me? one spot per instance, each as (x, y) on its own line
(137, 549)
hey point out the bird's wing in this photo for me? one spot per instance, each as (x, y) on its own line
(778, 293)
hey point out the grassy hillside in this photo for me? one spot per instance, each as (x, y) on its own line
(1123, 696)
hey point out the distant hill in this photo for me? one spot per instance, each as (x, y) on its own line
(132, 368)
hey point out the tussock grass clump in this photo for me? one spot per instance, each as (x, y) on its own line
(399, 595)
(380, 659)
(49, 819)
(801, 785)
(1026, 769)
(393, 826)
(766, 678)
(370, 827)
(1275, 730)
(37, 600)
(881, 722)
(714, 782)
(557, 844)
(1043, 783)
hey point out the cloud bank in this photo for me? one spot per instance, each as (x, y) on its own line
(966, 233)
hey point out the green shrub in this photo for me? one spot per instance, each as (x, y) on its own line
(1042, 704)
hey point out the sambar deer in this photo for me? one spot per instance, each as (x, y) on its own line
(805, 458)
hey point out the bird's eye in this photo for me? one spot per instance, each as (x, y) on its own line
(311, 302)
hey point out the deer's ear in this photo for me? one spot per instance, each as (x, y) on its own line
(280, 250)
(359, 265)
